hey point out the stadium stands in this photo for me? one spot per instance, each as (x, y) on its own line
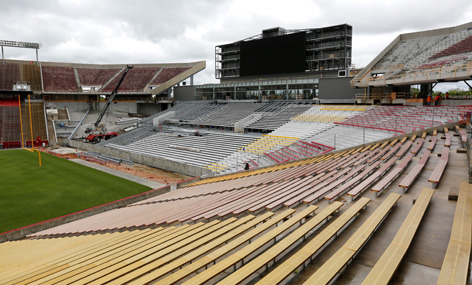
(297, 137)
(168, 73)
(96, 77)
(78, 79)
(59, 79)
(9, 75)
(232, 228)
(442, 54)
(135, 81)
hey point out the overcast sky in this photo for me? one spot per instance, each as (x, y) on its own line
(160, 31)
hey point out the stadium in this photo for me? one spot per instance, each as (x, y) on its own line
(295, 169)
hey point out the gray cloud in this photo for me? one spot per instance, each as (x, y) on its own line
(119, 31)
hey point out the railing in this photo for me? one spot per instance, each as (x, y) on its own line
(381, 96)
(451, 72)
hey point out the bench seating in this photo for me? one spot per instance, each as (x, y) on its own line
(339, 260)
(328, 187)
(76, 265)
(135, 265)
(462, 134)
(352, 183)
(271, 236)
(364, 185)
(48, 263)
(404, 149)
(440, 167)
(143, 252)
(389, 178)
(213, 256)
(193, 251)
(433, 141)
(392, 151)
(455, 266)
(411, 177)
(447, 142)
(386, 266)
(308, 252)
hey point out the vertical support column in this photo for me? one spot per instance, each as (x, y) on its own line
(3, 59)
(191, 80)
(37, 57)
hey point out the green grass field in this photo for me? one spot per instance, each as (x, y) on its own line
(31, 194)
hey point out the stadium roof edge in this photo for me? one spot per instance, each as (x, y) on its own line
(110, 65)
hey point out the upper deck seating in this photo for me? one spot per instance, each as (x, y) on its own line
(168, 73)
(96, 76)
(135, 81)
(59, 79)
(458, 48)
(9, 75)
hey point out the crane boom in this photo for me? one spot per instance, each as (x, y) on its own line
(112, 96)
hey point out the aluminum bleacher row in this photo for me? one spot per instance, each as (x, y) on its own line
(233, 228)
(200, 150)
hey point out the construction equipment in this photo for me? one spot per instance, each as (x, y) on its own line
(97, 135)
(112, 96)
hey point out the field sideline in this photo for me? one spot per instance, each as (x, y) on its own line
(31, 194)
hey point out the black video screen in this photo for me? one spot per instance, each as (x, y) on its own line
(274, 55)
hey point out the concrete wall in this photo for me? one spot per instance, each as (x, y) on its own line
(161, 163)
(184, 93)
(148, 109)
(336, 88)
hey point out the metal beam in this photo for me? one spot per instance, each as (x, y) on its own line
(467, 84)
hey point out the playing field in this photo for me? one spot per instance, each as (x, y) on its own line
(31, 194)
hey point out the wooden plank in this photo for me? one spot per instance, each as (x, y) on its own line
(137, 250)
(240, 255)
(214, 255)
(276, 251)
(388, 263)
(170, 263)
(455, 267)
(332, 268)
(305, 254)
(80, 260)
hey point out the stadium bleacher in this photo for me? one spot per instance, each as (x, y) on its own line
(242, 223)
(442, 54)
